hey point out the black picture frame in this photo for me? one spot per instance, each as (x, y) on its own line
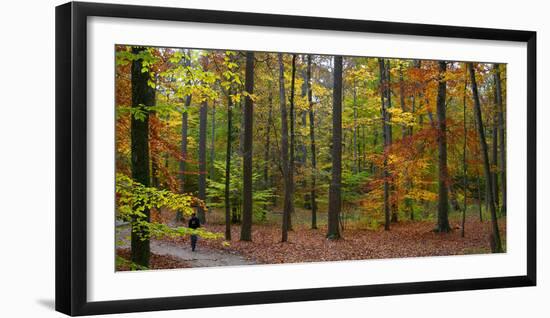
(71, 157)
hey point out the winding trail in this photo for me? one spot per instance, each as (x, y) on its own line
(201, 257)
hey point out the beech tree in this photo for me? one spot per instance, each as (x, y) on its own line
(335, 200)
(496, 245)
(246, 228)
(143, 95)
(443, 202)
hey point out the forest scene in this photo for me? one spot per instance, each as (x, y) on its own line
(227, 158)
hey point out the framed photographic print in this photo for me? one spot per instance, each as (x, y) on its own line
(208, 158)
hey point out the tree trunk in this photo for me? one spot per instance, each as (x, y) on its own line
(213, 142)
(284, 151)
(142, 94)
(292, 147)
(393, 191)
(501, 138)
(335, 200)
(480, 210)
(494, 147)
(313, 150)
(228, 167)
(184, 129)
(443, 202)
(267, 150)
(464, 165)
(203, 118)
(246, 227)
(383, 95)
(355, 151)
(496, 245)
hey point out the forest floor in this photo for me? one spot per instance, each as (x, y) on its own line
(171, 254)
(405, 239)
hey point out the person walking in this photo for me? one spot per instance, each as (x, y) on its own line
(194, 223)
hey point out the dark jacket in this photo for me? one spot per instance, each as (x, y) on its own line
(194, 223)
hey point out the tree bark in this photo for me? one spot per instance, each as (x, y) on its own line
(284, 151)
(203, 118)
(246, 227)
(494, 146)
(501, 138)
(464, 165)
(142, 95)
(184, 129)
(313, 150)
(228, 166)
(292, 148)
(393, 191)
(443, 202)
(355, 151)
(335, 200)
(383, 95)
(496, 245)
(213, 142)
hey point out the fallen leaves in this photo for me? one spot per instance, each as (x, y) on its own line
(406, 239)
(156, 261)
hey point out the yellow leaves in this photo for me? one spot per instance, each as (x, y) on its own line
(421, 195)
(398, 116)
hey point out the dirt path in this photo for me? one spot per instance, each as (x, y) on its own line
(201, 257)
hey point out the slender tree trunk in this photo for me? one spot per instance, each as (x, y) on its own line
(480, 210)
(355, 151)
(267, 150)
(405, 131)
(464, 165)
(335, 199)
(496, 245)
(313, 146)
(184, 129)
(393, 188)
(203, 118)
(142, 94)
(443, 202)
(501, 137)
(383, 95)
(287, 182)
(213, 142)
(494, 147)
(292, 148)
(228, 167)
(246, 227)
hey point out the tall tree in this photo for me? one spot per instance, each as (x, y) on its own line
(393, 187)
(246, 227)
(335, 199)
(143, 95)
(228, 165)
(312, 142)
(292, 159)
(385, 134)
(464, 165)
(287, 182)
(267, 150)
(501, 136)
(495, 142)
(355, 150)
(213, 141)
(443, 198)
(184, 133)
(203, 118)
(496, 245)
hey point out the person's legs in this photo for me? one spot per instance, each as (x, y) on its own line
(193, 242)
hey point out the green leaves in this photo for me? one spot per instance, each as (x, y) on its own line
(133, 199)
